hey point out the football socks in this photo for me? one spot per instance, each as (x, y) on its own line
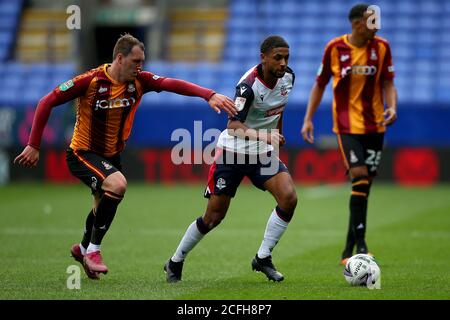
(87, 231)
(358, 207)
(105, 213)
(274, 230)
(191, 237)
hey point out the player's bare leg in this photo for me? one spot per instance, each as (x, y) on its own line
(282, 188)
(215, 212)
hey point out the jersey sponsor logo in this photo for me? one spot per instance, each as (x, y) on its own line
(131, 88)
(155, 77)
(373, 55)
(239, 103)
(116, 103)
(66, 85)
(345, 57)
(359, 70)
(274, 111)
(221, 183)
(243, 89)
(94, 183)
(102, 89)
(283, 90)
(106, 165)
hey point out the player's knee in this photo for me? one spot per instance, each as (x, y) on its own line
(284, 214)
(115, 183)
(358, 172)
(361, 186)
(121, 186)
(288, 202)
(205, 225)
(213, 218)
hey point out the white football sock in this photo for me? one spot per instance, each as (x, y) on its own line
(274, 230)
(188, 242)
(83, 249)
(92, 248)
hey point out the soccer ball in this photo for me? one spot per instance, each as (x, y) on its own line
(362, 269)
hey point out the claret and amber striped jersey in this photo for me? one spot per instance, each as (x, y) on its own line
(105, 108)
(358, 75)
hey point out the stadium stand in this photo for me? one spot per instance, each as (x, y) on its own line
(9, 14)
(416, 31)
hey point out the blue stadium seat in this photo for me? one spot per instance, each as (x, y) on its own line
(32, 95)
(407, 7)
(9, 98)
(10, 8)
(430, 7)
(442, 90)
(444, 52)
(312, 7)
(421, 70)
(7, 22)
(64, 68)
(243, 8)
(6, 38)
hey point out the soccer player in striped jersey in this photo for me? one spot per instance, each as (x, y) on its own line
(246, 149)
(362, 70)
(107, 98)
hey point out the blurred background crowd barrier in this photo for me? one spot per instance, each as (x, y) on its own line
(212, 43)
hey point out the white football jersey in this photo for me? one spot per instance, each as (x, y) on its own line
(259, 107)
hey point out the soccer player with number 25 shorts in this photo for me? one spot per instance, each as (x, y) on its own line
(362, 70)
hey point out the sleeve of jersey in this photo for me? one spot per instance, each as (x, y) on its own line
(388, 66)
(186, 88)
(152, 82)
(242, 100)
(293, 76)
(66, 92)
(324, 72)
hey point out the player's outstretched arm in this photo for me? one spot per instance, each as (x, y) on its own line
(28, 158)
(313, 103)
(219, 101)
(30, 155)
(64, 93)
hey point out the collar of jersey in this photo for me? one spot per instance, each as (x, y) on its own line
(106, 65)
(258, 68)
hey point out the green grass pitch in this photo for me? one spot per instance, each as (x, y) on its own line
(408, 231)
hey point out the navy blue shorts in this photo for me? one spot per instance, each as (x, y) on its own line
(228, 170)
(362, 150)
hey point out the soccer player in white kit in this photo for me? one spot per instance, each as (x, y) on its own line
(248, 147)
